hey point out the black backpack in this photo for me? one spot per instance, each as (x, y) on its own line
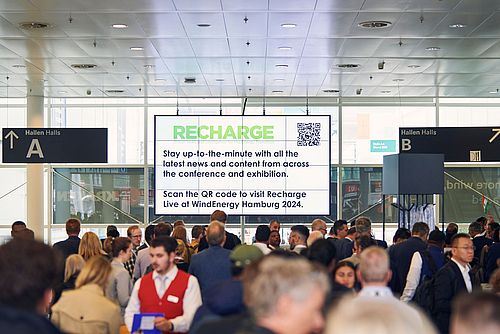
(424, 294)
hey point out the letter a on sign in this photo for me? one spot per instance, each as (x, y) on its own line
(35, 148)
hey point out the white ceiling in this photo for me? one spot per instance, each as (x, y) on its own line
(245, 54)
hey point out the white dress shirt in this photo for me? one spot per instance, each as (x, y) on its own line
(263, 247)
(375, 291)
(191, 302)
(413, 278)
(465, 274)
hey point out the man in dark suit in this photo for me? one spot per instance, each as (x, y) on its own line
(231, 239)
(213, 265)
(70, 245)
(364, 228)
(343, 239)
(452, 279)
(402, 253)
(479, 240)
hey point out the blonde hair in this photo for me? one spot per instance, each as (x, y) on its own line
(90, 245)
(374, 264)
(95, 271)
(376, 316)
(275, 277)
(74, 264)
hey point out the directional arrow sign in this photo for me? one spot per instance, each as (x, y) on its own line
(11, 135)
(44, 145)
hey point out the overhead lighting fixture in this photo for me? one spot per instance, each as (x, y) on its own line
(279, 80)
(62, 92)
(281, 65)
(385, 91)
(347, 66)
(277, 91)
(288, 25)
(189, 80)
(433, 48)
(219, 80)
(331, 91)
(374, 24)
(169, 92)
(457, 25)
(149, 66)
(19, 66)
(83, 66)
(204, 25)
(119, 26)
(34, 25)
(114, 91)
(398, 80)
(413, 66)
(136, 48)
(285, 48)
(160, 80)
(494, 91)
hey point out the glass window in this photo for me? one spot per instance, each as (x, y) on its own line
(471, 115)
(369, 133)
(99, 195)
(463, 204)
(12, 195)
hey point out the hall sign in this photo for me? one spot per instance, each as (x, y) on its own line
(471, 144)
(50, 145)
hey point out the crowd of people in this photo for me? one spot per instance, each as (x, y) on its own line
(324, 280)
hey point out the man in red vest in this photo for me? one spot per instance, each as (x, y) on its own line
(166, 290)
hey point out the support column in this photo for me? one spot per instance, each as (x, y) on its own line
(34, 172)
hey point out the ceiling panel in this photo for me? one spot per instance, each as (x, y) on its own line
(195, 5)
(183, 65)
(216, 65)
(247, 47)
(173, 47)
(215, 20)
(331, 24)
(255, 26)
(292, 5)
(161, 24)
(285, 47)
(301, 20)
(244, 5)
(315, 65)
(213, 47)
(339, 5)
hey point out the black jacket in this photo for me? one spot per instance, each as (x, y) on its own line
(231, 241)
(448, 283)
(22, 322)
(343, 248)
(400, 256)
(68, 246)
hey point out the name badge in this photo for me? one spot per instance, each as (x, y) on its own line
(173, 299)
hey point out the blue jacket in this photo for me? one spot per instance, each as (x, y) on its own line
(491, 260)
(210, 267)
(437, 256)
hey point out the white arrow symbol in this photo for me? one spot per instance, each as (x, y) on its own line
(11, 135)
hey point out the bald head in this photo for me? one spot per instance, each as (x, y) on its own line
(216, 235)
(319, 225)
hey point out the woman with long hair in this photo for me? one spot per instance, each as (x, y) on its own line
(120, 285)
(86, 309)
(90, 245)
(73, 266)
(182, 252)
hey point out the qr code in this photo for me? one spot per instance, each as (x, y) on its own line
(308, 134)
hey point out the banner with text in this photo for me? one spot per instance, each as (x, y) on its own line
(243, 165)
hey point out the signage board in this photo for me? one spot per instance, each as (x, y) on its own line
(469, 144)
(382, 145)
(54, 145)
(243, 165)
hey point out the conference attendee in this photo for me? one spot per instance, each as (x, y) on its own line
(148, 236)
(376, 315)
(231, 239)
(313, 237)
(340, 229)
(90, 246)
(71, 244)
(197, 233)
(478, 312)
(16, 227)
(452, 279)
(120, 285)
(298, 238)
(424, 264)
(451, 230)
(319, 225)
(143, 257)
(285, 295)
(86, 309)
(360, 244)
(402, 234)
(344, 246)
(262, 235)
(274, 225)
(401, 254)
(166, 290)
(134, 233)
(364, 228)
(495, 282)
(492, 260)
(180, 234)
(345, 275)
(321, 252)
(213, 264)
(25, 234)
(274, 240)
(29, 270)
(72, 268)
(479, 240)
(225, 299)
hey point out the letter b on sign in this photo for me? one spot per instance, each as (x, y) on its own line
(405, 144)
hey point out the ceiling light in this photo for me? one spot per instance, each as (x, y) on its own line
(374, 24)
(190, 80)
(119, 26)
(160, 80)
(344, 66)
(331, 91)
(433, 48)
(114, 91)
(494, 91)
(277, 91)
(169, 92)
(457, 25)
(288, 25)
(281, 65)
(136, 48)
(398, 80)
(385, 91)
(62, 92)
(204, 25)
(279, 80)
(413, 66)
(83, 66)
(285, 48)
(149, 66)
(19, 66)
(34, 25)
